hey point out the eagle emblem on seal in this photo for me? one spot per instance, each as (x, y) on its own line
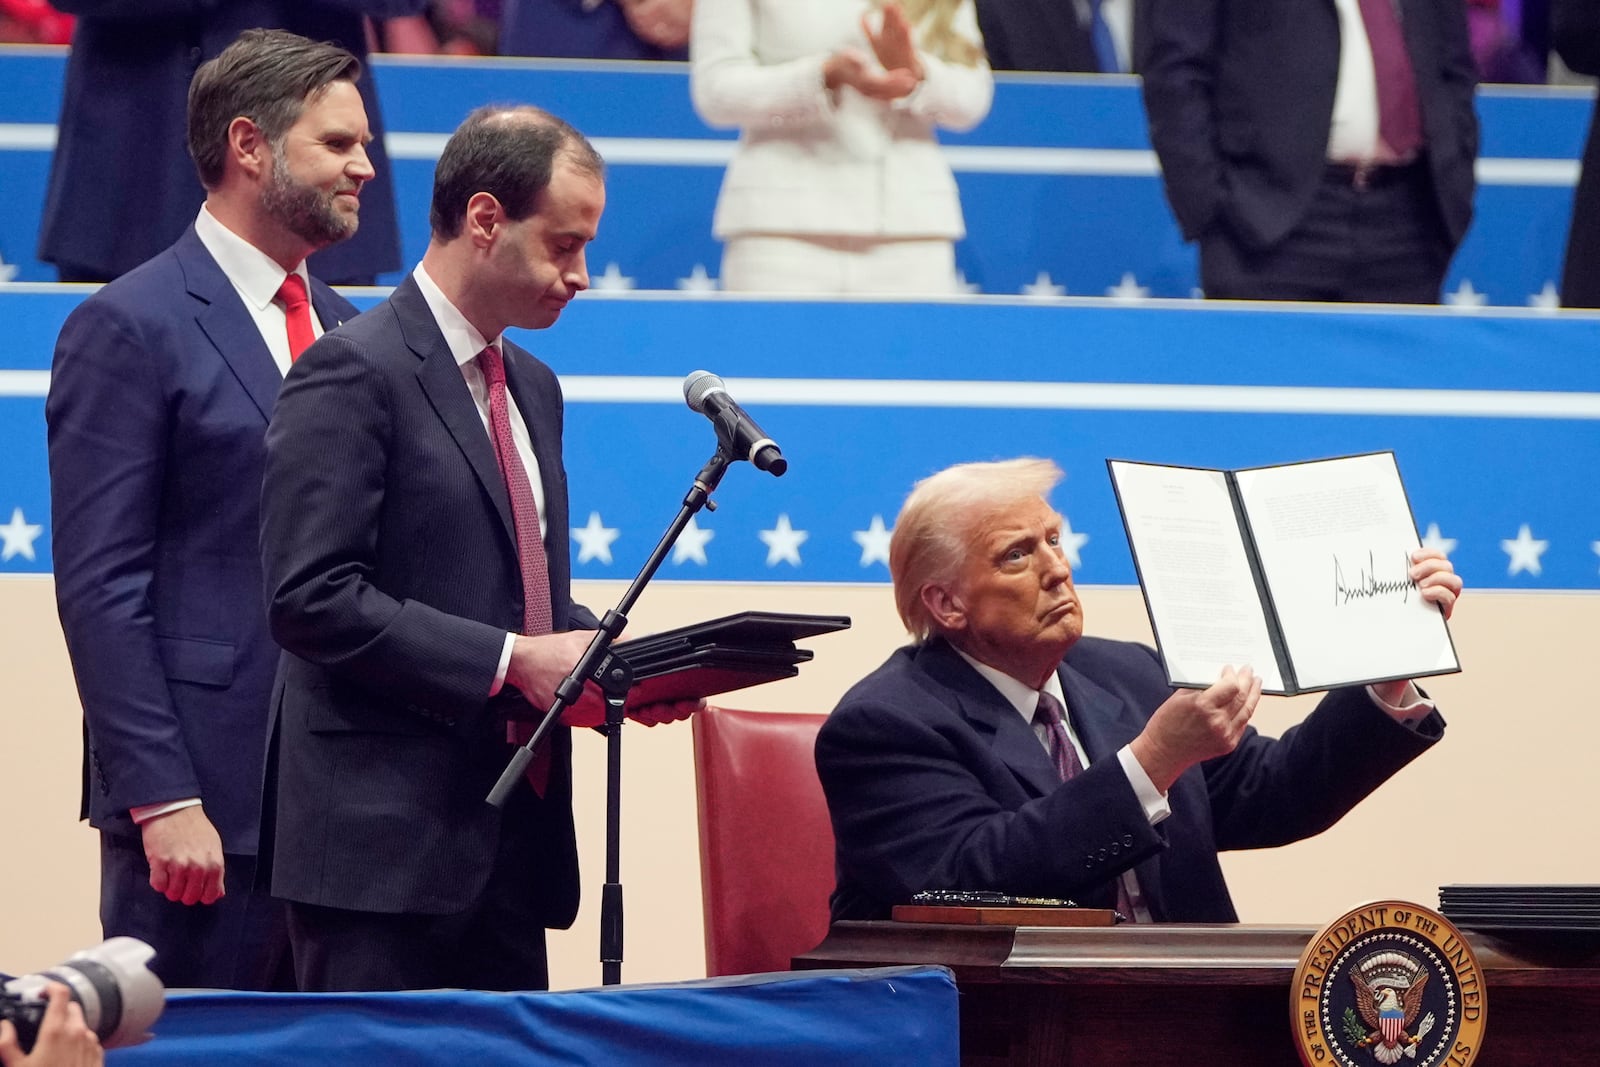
(1389, 987)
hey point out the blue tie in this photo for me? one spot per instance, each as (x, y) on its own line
(1105, 46)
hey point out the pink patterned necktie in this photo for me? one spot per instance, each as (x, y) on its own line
(536, 618)
(1052, 716)
(536, 615)
(1399, 116)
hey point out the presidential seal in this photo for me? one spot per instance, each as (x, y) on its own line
(1389, 983)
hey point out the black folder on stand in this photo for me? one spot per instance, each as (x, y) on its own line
(720, 655)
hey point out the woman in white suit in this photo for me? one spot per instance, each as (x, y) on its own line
(838, 184)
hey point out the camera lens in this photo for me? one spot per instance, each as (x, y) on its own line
(113, 984)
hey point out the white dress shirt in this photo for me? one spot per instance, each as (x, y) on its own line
(1353, 137)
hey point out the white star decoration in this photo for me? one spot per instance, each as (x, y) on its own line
(1524, 551)
(612, 280)
(1546, 299)
(1466, 298)
(783, 543)
(1072, 542)
(698, 281)
(1042, 288)
(691, 544)
(7, 270)
(1128, 289)
(18, 536)
(874, 542)
(1434, 539)
(594, 540)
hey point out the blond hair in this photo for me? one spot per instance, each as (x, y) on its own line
(933, 532)
(936, 24)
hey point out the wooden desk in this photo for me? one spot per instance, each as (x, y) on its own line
(1149, 996)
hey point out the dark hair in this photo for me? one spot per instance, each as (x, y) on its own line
(509, 152)
(266, 76)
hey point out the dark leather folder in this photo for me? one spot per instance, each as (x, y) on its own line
(720, 655)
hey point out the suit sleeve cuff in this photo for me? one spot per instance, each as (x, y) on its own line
(1154, 802)
(145, 812)
(1412, 708)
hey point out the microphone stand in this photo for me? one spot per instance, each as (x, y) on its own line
(615, 678)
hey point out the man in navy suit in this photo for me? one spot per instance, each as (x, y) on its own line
(943, 770)
(415, 546)
(123, 101)
(160, 394)
(1316, 149)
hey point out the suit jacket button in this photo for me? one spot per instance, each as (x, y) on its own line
(1127, 840)
(1115, 848)
(1102, 855)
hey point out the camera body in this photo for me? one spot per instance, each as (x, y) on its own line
(113, 984)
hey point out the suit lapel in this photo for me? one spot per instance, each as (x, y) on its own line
(446, 390)
(227, 324)
(1104, 724)
(1011, 739)
(328, 314)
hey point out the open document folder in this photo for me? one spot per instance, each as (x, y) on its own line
(1300, 571)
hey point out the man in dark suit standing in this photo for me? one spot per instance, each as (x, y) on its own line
(1006, 751)
(415, 544)
(1317, 149)
(127, 73)
(1575, 31)
(160, 393)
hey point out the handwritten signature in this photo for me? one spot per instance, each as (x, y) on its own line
(1368, 586)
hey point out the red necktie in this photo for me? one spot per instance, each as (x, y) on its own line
(1399, 117)
(297, 310)
(1050, 714)
(536, 615)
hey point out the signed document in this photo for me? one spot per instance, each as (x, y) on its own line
(1299, 571)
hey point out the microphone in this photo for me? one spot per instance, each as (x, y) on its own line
(706, 394)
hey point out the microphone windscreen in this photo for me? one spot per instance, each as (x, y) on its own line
(697, 386)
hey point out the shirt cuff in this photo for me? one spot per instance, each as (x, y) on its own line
(1412, 708)
(1151, 799)
(505, 665)
(145, 812)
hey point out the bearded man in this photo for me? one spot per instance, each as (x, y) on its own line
(160, 392)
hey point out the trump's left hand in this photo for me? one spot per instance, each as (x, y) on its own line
(1436, 578)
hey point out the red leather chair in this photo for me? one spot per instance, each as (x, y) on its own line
(766, 845)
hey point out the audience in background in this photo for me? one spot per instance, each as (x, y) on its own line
(1497, 48)
(1314, 150)
(1576, 33)
(33, 22)
(124, 100)
(838, 184)
(445, 27)
(596, 29)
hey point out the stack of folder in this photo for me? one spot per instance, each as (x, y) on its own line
(1524, 911)
(720, 656)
